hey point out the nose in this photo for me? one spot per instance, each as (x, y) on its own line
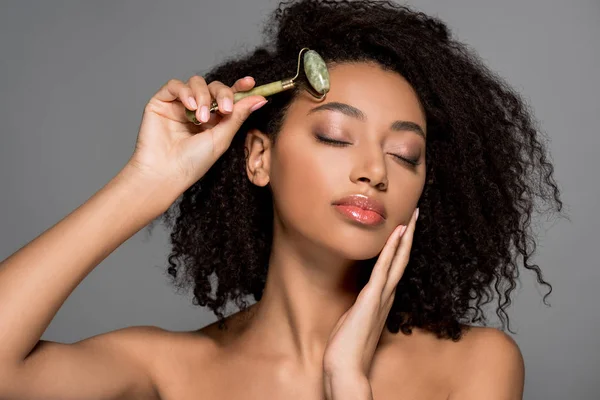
(370, 168)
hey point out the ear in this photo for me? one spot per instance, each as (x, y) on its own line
(258, 157)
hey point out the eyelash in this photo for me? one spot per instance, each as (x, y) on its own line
(333, 142)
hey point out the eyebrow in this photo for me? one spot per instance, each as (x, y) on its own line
(354, 112)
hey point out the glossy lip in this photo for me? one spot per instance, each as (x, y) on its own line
(364, 202)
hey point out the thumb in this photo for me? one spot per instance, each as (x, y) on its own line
(226, 129)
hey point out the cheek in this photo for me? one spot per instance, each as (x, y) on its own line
(306, 178)
(403, 195)
(303, 185)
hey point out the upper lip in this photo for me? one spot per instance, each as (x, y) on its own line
(362, 201)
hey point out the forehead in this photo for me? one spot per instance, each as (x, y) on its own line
(382, 95)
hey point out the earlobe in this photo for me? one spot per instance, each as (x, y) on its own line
(258, 157)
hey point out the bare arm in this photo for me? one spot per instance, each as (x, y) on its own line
(36, 280)
(171, 154)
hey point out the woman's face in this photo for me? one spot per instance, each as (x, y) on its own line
(377, 114)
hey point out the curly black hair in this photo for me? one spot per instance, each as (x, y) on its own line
(486, 164)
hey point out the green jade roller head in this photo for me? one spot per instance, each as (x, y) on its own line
(316, 73)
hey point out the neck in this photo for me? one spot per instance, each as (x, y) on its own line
(307, 291)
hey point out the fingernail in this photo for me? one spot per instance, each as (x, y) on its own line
(403, 229)
(417, 216)
(258, 105)
(193, 102)
(204, 113)
(227, 104)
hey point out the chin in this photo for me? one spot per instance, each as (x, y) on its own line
(360, 252)
(346, 239)
(354, 243)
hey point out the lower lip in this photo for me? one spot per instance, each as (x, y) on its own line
(366, 217)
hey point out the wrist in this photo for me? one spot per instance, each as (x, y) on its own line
(348, 387)
(159, 192)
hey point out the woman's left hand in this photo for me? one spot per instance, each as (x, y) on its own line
(353, 341)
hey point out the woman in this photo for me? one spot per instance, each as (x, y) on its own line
(311, 207)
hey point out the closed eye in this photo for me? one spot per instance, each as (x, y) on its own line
(338, 143)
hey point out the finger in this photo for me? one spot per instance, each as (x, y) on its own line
(340, 322)
(226, 129)
(241, 85)
(401, 258)
(223, 94)
(380, 269)
(201, 94)
(173, 90)
(244, 84)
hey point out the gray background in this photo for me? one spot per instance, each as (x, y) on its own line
(87, 69)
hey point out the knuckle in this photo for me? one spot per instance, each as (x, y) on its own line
(185, 89)
(203, 98)
(201, 94)
(215, 86)
(149, 106)
(197, 79)
(224, 92)
(198, 85)
(185, 92)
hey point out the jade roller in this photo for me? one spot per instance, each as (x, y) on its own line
(316, 73)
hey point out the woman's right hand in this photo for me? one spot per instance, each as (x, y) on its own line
(177, 152)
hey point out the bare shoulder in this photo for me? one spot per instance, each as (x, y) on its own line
(155, 346)
(485, 346)
(175, 347)
(153, 340)
(488, 337)
(198, 344)
(490, 365)
(485, 363)
(176, 361)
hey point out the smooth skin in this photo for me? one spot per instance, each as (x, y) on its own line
(310, 319)
(353, 341)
